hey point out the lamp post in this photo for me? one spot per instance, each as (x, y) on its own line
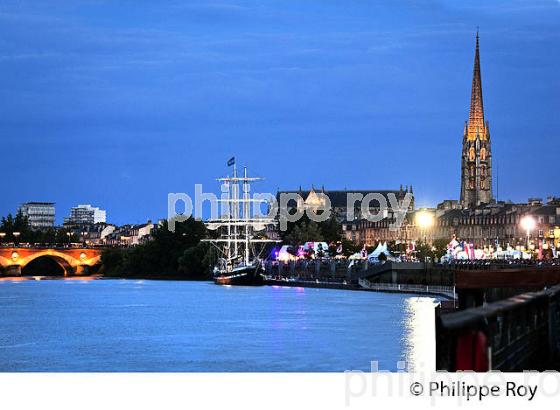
(16, 236)
(2, 235)
(528, 224)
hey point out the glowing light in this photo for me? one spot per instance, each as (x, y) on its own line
(528, 223)
(15, 255)
(424, 219)
(82, 255)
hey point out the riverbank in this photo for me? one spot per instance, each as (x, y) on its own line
(382, 288)
(311, 284)
(96, 277)
(37, 277)
(316, 284)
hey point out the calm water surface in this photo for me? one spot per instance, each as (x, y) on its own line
(141, 325)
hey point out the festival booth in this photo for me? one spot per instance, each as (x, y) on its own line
(379, 250)
(466, 251)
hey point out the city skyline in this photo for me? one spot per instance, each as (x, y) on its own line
(158, 107)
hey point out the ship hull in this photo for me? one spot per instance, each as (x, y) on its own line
(246, 276)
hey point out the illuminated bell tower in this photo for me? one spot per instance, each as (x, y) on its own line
(476, 159)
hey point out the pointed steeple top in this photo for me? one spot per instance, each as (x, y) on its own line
(476, 114)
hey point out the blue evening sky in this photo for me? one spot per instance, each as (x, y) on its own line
(117, 103)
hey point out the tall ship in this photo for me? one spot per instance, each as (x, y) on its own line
(240, 237)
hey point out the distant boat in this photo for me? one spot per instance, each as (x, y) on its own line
(239, 249)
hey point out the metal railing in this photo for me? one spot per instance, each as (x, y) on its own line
(519, 333)
(491, 264)
(447, 291)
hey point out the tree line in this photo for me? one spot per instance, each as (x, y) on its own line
(168, 255)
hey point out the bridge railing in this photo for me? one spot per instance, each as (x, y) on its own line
(74, 245)
(519, 333)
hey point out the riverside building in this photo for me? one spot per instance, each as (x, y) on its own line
(39, 214)
(85, 214)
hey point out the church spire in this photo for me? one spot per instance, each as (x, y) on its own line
(476, 114)
(476, 160)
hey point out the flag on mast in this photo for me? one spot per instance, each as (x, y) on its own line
(231, 161)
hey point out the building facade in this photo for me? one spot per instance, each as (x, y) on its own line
(348, 204)
(92, 234)
(476, 156)
(85, 214)
(39, 214)
(485, 225)
(130, 235)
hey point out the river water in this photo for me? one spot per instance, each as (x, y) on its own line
(142, 325)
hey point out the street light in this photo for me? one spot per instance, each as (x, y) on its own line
(528, 223)
(16, 236)
(425, 220)
(2, 235)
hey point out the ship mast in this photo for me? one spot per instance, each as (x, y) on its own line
(228, 223)
(238, 226)
(235, 205)
(246, 213)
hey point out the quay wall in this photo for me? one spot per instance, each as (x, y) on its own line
(406, 273)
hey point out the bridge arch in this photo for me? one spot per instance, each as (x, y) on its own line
(66, 262)
(66, 267)
(57, 255)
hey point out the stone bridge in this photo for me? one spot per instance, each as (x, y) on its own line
(74, 261)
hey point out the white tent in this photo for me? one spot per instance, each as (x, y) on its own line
(381, 249)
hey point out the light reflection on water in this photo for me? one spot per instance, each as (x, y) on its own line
(131, 325)
(419, 335)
